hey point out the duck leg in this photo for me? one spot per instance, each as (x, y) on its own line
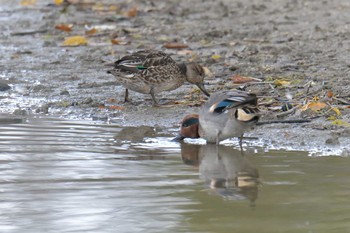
(240, 139)
(217, 137)
(155, 102)
(126, 96)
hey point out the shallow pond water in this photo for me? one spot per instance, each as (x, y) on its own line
(76, 176)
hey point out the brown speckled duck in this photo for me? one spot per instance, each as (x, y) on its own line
(152, 72)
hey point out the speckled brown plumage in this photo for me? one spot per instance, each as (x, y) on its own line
(152, 72)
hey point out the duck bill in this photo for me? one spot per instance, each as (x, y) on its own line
(202, 88)
(178, 138)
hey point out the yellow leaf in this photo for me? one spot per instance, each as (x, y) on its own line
(332, 118)
(216, 56)
(113, 8)
(315, 98)
(340, 123)
(280, 82)
(75, 41)
(58, 2)
(27, 2)
(336, 110)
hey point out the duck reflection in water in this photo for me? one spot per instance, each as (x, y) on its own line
(225, 170)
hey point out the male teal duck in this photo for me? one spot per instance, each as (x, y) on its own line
(225, 115)
(152, 72)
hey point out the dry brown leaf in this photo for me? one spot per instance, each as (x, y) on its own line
(115, 107)
(314, 106)
(175, 45)
(64, 27)
(243, 79)
(119, 41)
(90, 32)
(132, 12)
(75, 41)
(329, 94)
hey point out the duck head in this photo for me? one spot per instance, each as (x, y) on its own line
(188, 128)
(195, 74)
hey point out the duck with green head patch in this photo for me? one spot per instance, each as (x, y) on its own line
(152, 72)
(225, 115)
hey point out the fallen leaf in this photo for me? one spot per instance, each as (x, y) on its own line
(314, 106)
(341, 123)
(329, 94)
(113, 8)
(90, 32)
(315, 98)
(58, 2)
(27, 2)
(132, 12)
(242, 79)
(332, 118)
(336, 110)
(114, 107)
(64, 27)
(75, 41)
(175, 45)
(119, 41)
(281, 82)
(215, 56)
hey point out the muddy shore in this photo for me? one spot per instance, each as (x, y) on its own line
(298, 49)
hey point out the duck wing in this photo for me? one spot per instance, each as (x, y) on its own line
(142, 60)
(230, 100)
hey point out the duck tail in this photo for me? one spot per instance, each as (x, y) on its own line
(247, 114)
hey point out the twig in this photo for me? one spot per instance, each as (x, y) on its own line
(284, 121)
(28, 32)
(341, 100)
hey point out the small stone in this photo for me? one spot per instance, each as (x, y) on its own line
(4, 86)
(88, 100)
(64, 92)
(345, 152)
(20, 112)
(43, 109)
(135, 134)
(332, 141)
(233, 68)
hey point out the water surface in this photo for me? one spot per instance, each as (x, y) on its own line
(79, 176)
